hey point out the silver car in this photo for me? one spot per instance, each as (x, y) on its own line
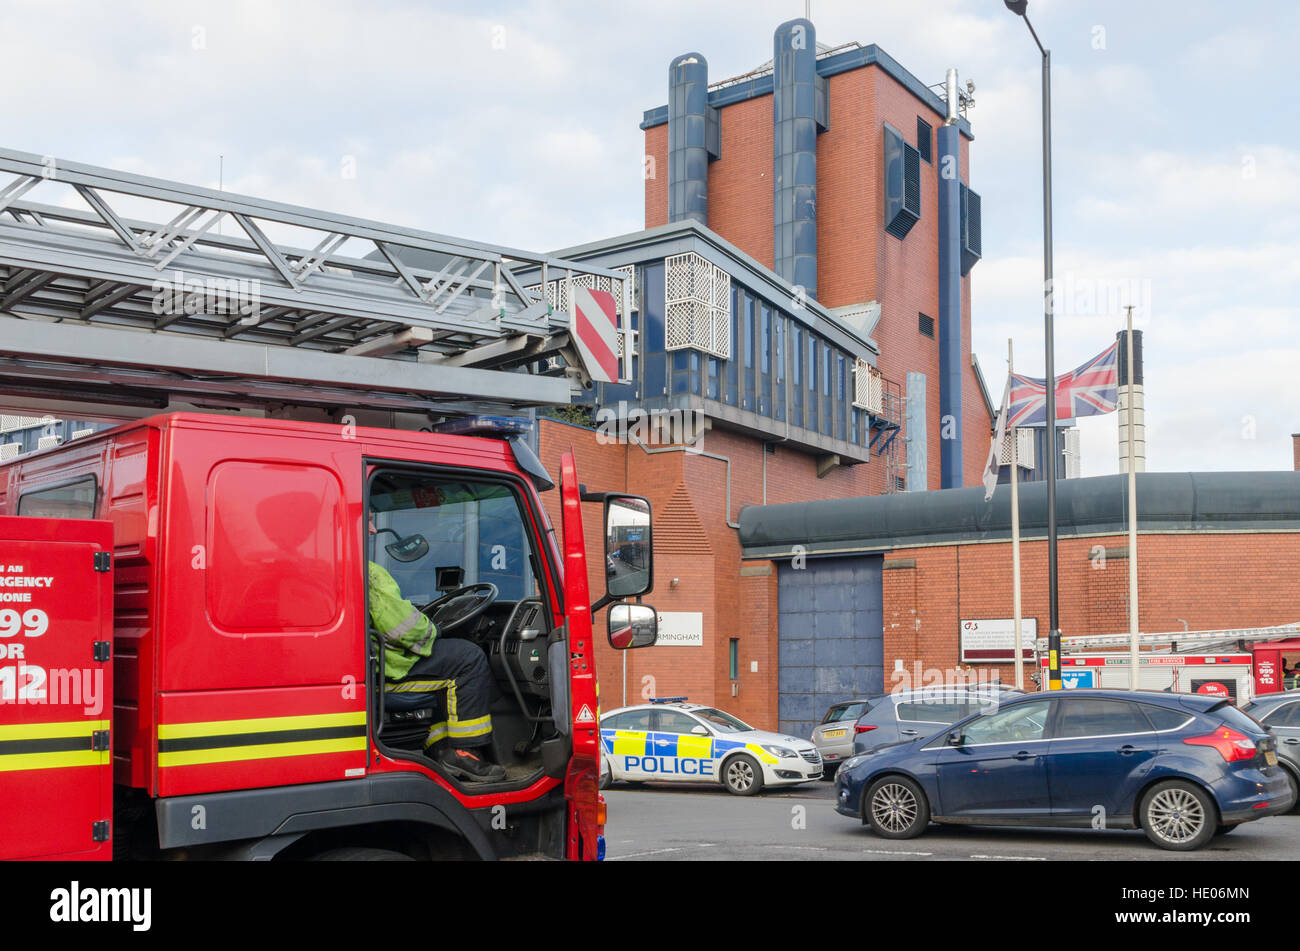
(834, 737)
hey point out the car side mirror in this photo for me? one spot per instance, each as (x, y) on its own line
(632, 625)
(955, 738)
(699, 731)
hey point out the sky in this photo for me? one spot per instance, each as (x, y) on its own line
(1175, 150)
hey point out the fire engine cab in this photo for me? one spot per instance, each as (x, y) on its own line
(187, 667)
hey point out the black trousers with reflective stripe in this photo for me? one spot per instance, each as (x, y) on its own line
(465, 663)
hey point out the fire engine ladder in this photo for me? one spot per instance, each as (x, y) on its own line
(1177, 641)
(159, 295)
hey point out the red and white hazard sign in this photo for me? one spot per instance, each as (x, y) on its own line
(593, 324)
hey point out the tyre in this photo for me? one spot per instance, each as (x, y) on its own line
(829, 771)
(606, 774)
(896, 808)
(742, 775)
(360, 854)
(1295, 789)
(1178, 816)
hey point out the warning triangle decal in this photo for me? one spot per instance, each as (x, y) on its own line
(584, 715)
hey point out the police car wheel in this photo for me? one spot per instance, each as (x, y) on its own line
(896, 808)
(742, 775)
(606, 774)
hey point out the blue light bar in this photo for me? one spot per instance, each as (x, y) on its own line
(668, 699)
(499, 426)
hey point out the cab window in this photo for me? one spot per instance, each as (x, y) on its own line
(423, 523)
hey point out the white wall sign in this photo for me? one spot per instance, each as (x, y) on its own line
(681, 629)
(991, 640)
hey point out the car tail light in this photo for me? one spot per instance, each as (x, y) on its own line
(862, 728)
(1232, 746)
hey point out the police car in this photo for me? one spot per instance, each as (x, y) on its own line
(670, 740)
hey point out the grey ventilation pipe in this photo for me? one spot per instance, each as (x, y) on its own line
(950, 340)
(692, 138)
(795, 101)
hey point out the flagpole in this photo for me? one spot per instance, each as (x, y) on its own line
(1015, 544)
(1132, 516)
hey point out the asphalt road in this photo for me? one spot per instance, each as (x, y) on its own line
(662, 822)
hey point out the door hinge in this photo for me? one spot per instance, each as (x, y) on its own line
(99, 741)
(103, 651)
(99, 831)
(103, 561)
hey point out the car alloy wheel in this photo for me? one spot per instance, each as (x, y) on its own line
(896, 808)
(1178, 816)
(742, 776)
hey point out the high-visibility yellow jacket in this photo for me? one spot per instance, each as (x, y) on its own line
(408, 635)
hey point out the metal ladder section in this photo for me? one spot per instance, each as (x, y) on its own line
(1177, 641)
(336, 311)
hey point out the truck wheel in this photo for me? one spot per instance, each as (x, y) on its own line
(742, 775)
(1178, 816)
(361, 854)
(896, 808)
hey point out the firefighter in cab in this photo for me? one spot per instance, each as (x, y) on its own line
(419, 662)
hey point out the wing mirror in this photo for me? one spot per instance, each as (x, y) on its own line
(629, 552)
(955, 738)
(632, 625)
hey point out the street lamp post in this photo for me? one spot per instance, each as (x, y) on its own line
(1018, 7)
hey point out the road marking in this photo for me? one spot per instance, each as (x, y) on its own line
(892, 852)
(632, 855)
(1013, 858)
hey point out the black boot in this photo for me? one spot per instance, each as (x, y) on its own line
(469, 766)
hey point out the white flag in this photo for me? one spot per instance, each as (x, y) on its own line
(995, 450)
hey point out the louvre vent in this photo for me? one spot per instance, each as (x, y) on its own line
(924, 138)
(925, 324)
(698, 305)
(902, 184)
(971, 239)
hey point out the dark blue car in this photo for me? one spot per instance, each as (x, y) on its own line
(1182, 767)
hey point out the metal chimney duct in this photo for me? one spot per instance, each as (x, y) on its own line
(692, 138)
(948, 140)
(795, 100)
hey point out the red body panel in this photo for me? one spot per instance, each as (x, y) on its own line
(583, 780)
(240, 599)
(54, 696)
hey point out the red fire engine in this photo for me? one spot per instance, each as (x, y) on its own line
(186, 664)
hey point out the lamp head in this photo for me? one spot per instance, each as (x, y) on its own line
(1017, 6)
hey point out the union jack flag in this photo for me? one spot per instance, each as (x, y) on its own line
(1089, 390)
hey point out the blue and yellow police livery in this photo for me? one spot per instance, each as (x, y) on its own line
(670, 740)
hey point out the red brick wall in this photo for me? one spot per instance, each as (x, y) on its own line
(1179, 576)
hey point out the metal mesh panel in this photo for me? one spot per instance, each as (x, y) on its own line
(46, 442)
(677, 330)
(868, 389)
(10, 449)
(698, 298)
(1024, 448)
(81, 433)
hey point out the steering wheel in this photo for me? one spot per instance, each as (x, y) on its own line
(457, 608)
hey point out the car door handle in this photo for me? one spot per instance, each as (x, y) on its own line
(661, 742)
(915, 732)
(1128, 749)
(1023, 755)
